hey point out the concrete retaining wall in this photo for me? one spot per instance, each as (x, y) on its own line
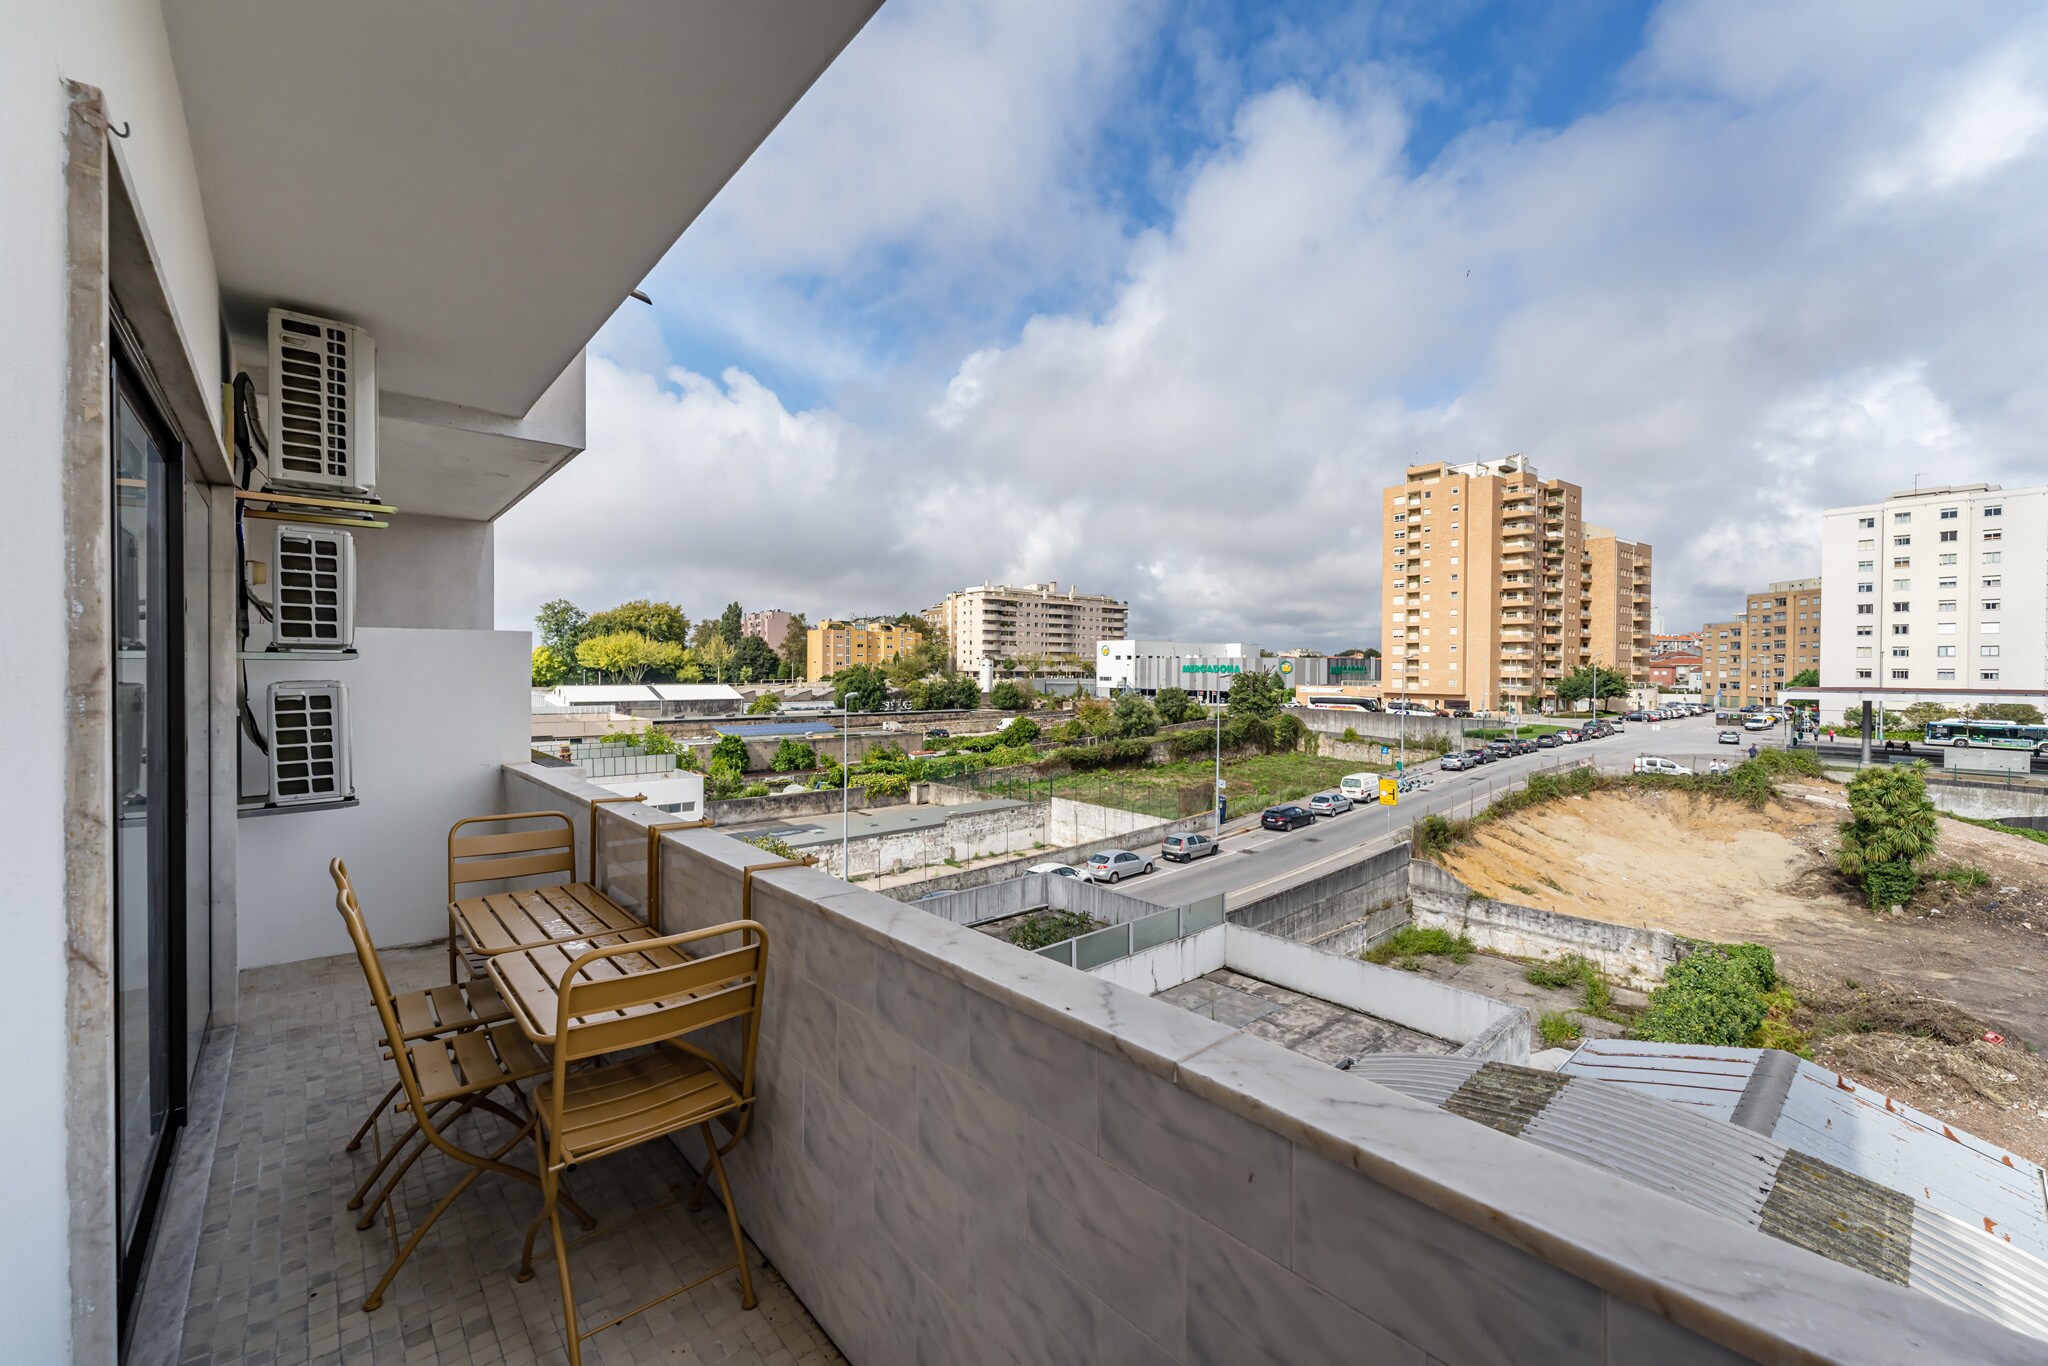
(1037, 891)
(1378, 725)
(962, 837)
(1137, 840)
(1989, 801)
(1315, 909)
(1627, 953)
(796, 805)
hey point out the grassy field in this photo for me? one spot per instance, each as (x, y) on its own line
(1184, 788)
(1529, 731)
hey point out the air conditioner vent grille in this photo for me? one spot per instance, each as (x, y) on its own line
(323, 404)
(305, 747)
(310, 595)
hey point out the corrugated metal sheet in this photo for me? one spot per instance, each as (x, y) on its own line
(1853, 1127)
(1956, 1263)
(1714, 1167)
(1420, 1076)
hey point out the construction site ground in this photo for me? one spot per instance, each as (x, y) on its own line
(1898, 1000)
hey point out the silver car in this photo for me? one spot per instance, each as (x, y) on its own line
(1187, 848)
(1115, 865)
(1329, 804)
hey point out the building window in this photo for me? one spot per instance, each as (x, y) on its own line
(1946, 581)
(1902, 607)
(1866, 522)
(1944, 628)
(1865, 566)
(1866, 588)
(1945, 675)
(1949, 514)
(1993, 557)
(1987, 675)
(1866, 544)
(1902, 674)
(1864, 609)
(1901, 518)
(1949, 535)
(1988, 651)
(1901, 629)
(1948, 559)
(1989, 628)
(1902, 652)
(1995, 510)
(1994, 535)
(1901, 585)
(1993, 581)
(1863, 652)
(1944, 652)
(1902, 540)
(1945, 605)
(1991, 604)
(1864, 630)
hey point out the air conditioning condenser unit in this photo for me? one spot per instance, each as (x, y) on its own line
(309, 743)
(312, 588)
(322, 428)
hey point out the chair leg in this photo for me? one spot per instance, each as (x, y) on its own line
(732, 1213)
(570, 1328)
(391, 1183)
(376, 1113)
(362, 1191)
(377, 1295)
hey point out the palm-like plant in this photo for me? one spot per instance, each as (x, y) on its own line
(1890, 832)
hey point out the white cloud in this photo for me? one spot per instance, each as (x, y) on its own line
(1994, 119)
(1675, 303)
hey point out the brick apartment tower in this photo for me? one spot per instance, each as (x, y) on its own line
(1721, 662)
(1487, 584)
(1620, 637)
(1783, 632)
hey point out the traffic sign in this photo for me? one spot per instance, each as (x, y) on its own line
(1389, 794)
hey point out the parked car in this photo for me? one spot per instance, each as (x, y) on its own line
(1548, 741)
(1461, 711)
(1635, 716)
(1285, 818)
(1055, 869)
(1729, 737)
(1670, 768)
(1524, 746)
(1360, 787)
(1756, 723)
(1329, 804)
(938, 733)
(1500, 749)
(1116, 865)
(1187, 848)
(1460, 759)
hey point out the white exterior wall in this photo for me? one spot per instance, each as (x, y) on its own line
(1154, 664)
(120, 47)
(418, 768)
(1858, 572)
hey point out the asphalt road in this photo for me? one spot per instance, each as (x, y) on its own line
(1256, 863)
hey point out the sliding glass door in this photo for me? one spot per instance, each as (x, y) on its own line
(149, 800)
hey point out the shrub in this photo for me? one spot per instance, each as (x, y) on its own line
(655, 740)
(1133, 716)
(1434, 836)
(1714, 996)
(1964, 877)
(883, 784)
(723, 779)
(773, 845)
(1289, 733)
(686, 758)
(1890, 832)
(1567, 971)
(1556, 1028)
(1186, 744)
(1174, 706)
(793, 756)
(1411, 942)
(1350, 735)
(1008, 697)
(733, 750)
(1022, 731)
(754, 790)
(767, 704)
(1041, 929)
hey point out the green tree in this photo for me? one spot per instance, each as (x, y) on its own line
(628, 655)
(1007, 696)
(729, 624)
(724, 778)
(549, 668)
(753, 661)
(1092, 716)
(1890, 833)
(767, 704)
(1589, 680)
(1805, 678)
(1174, 705)
(1021, 731)
(2019, 713)
(730, 749)
(1256, 696)
(1880, 718)
(860, 687)
(1920, 713)
(795, 657)
(1290, 733)
(562, 625)
(662, 621)
(1132, 716)
(714, 654)
(794, 756)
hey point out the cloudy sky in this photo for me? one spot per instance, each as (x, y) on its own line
(1154, 297)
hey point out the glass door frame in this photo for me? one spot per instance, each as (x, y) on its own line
(130, 386)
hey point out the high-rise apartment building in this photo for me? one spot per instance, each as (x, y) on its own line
(1491, 596)
(1938, 590)
(772, 626)
(996, 621)
(1721, 662)
(1619, 616)
(1783, 631)
(834, 645)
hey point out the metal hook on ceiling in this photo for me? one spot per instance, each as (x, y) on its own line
(121, 132)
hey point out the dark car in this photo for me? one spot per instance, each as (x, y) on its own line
(1461, 711)
(938, 733)
(1523, 746)
(1500, 749)
(1286, 817)
(1548, 742)
(1635, 716)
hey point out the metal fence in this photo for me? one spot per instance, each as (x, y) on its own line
(1093, 949)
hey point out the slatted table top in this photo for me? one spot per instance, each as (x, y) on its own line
(506, 922)
(530, 980)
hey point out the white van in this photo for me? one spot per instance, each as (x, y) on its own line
(1361, 787)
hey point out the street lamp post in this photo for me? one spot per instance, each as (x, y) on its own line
(845, 783)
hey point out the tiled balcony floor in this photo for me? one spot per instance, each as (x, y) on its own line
(282, 1270)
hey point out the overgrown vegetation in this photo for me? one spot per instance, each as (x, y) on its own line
(1721, 994)
(1407, 946)
(1040, 929)
(795, 756)
(1890, 833)
(731, 749)
(1556, 1028)
(2024, 832)
(1596, 998)
(1963, 877)
(779, 848)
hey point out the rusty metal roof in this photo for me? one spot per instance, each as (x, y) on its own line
(1823, 1114)
(1683, 1150)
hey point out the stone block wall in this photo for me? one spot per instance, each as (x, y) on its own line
(1631, 954)
(1315, 909)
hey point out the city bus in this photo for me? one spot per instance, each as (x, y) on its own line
(1988, 735)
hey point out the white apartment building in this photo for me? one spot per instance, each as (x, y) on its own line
(996, 621)
(1206, 669)
(1937, 591)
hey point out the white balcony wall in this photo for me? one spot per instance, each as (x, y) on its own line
(118, 46)
(435, 714)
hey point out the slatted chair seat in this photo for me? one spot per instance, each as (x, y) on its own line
(617, 1105)
(474, 1061)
